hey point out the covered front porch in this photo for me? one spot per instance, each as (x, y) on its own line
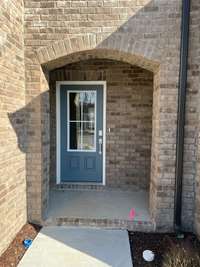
(124, 136)
(100, 145)
(106, 208)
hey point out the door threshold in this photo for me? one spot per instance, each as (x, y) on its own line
(79, 183)
(80, 186)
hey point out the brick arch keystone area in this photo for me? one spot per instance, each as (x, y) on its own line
(138, 53)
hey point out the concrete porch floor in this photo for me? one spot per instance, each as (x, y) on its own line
(107, 208)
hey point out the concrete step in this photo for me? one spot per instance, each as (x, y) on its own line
(139, 226)
(101, 209)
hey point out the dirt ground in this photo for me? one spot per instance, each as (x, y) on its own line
(16, 250)
(160, 244)
(168, 249)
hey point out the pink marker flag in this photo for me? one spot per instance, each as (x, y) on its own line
(132, 214)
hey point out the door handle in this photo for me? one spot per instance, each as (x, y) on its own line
(100, 146)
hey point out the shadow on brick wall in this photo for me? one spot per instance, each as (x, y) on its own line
(34, 142)
(18, 122)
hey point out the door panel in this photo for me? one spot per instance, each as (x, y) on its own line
(81, 115)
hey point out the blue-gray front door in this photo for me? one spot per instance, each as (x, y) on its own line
(81, 115)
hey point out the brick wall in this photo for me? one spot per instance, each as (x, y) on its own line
(194, 107)
(12, 118)
(192, 120)
(129, 117)
(144, 33)
(197, 191)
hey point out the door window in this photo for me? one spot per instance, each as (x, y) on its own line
(81, 120)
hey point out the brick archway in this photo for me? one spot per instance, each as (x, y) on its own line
(57, 54)
(140, 54)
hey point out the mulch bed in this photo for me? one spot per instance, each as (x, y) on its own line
(16, 250)
(160, 244)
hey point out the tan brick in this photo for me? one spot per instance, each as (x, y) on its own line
(129, 103)
(12, 121)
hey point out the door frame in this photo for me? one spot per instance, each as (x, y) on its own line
(58, 127)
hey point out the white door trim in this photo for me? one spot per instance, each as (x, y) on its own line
(58, 159)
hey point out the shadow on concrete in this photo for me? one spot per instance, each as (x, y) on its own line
(64, 246)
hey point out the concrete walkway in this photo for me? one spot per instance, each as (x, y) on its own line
(78, 247)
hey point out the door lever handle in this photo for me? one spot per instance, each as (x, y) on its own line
(100, 146)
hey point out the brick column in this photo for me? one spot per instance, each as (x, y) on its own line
(37, 157)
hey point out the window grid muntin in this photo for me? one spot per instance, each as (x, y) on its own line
(81, 121)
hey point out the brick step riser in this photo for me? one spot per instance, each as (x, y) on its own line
(102, 223)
